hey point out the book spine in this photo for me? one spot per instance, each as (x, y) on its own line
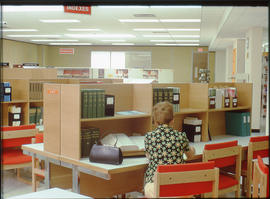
(160, 95)
(102, 103)
(155, 96)
(84, 98)
(99, 103)
(90, 103)
(94, 100)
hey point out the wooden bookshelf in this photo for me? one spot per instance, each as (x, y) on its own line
(64, 129)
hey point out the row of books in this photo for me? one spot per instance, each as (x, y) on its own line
(36, 115)
(222, 97)
(5, 90)
(14, 115)
(36, 90)
(94, 103)
(89, 137)
(170, 94)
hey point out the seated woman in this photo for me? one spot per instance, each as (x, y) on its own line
(164, 145)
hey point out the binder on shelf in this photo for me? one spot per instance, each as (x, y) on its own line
(14, 119)
(94, 103)
(248, 124)
(85, 142)
(84, 103)
(109, 105)
(5, 92)
(236, 123)
(91, 95)
(193, 128)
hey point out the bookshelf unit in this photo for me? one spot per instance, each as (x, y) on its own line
(62, 129)
(62, 111)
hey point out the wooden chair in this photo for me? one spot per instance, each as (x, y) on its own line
(258, 145)
(186, 179)
(260, 179)
(12, 156)
(38, 172)
(226, 154)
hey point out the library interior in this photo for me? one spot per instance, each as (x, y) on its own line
(81, 86)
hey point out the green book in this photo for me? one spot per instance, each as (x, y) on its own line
(170, 90)
(32, 115)
(85, 142)
(90, 94)
(102, 101)
(84, 103)
(94, 102)
(165, 94)
(155, 96)
(99, 103)
(160, 95)
(95, 135)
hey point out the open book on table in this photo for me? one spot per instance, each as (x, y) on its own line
(130, 145)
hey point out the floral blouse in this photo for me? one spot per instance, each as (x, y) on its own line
(164, 146)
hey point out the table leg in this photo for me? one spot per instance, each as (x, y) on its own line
(75, 179)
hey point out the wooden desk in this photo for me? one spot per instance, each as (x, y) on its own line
(51, 193)
(105, 180)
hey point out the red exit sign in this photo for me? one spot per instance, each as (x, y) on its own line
(78, 9)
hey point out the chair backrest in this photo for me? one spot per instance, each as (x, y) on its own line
(39, 138)
(186, 179)
(258, 145)
(223, 154)
(260, 177)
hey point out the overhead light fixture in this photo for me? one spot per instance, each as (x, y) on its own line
(175, 6)
(122, 6)
(182, 36)
(123, 44)
(19, 30)
(33, 35)
(71, 44)
(180, 20)
(165, 30)
(139, 20)
(100, 35)
(113, 40)
(47, 40)
(83, 29)
(32, 8)
(60, 20)
(163, 44)
(174, 40)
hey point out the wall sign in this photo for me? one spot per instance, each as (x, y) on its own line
(78, 9)
(69, 51)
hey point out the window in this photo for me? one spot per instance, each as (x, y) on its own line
(120, 59)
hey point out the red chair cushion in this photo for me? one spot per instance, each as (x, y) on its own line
(259, 138)
(262, 153)
(15, 128)
(39, 138)
(226, 161)
(15, 156)
(14, 142)
(226, 181)
(185, 188)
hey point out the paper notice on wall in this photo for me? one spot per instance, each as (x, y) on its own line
(195, 72)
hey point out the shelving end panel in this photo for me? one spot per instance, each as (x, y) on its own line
(244, 94)
(198, 96)
(52, 117)
(143, 97)
(70, 121)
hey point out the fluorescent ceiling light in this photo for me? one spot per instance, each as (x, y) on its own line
(175, 6)
(83, 29)
(183, 36)
(180, 20)
(46, 40)
(123, 6)
(174, 40)
(19, 30)
(60, 20)
(113, 40)
(124, 44)
(99, 35)
(165, 30)
(78, 44)
(33, 35)
(139, 20)
(177, 44)
(32, 8)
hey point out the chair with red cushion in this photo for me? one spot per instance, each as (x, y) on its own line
(38, 172)
(186, 179)
(260, 179)
(258, 145)
(226, 154)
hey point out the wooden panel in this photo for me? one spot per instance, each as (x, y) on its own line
(70, 120)
(22, 73)
(20, 89)
(119, 184)
(19, 134)
(142, 97)
(60, 177)
(198, 95)
(244, 93)
(216, 123)
(141, 125)
(52, 118)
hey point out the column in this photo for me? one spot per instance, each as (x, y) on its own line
(229, 57)
(253, 67)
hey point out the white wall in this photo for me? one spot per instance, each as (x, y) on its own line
(229, 61)
(220, 66)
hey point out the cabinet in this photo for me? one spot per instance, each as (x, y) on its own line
(63, 122)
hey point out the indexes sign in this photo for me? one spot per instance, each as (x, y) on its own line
(78, 9)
